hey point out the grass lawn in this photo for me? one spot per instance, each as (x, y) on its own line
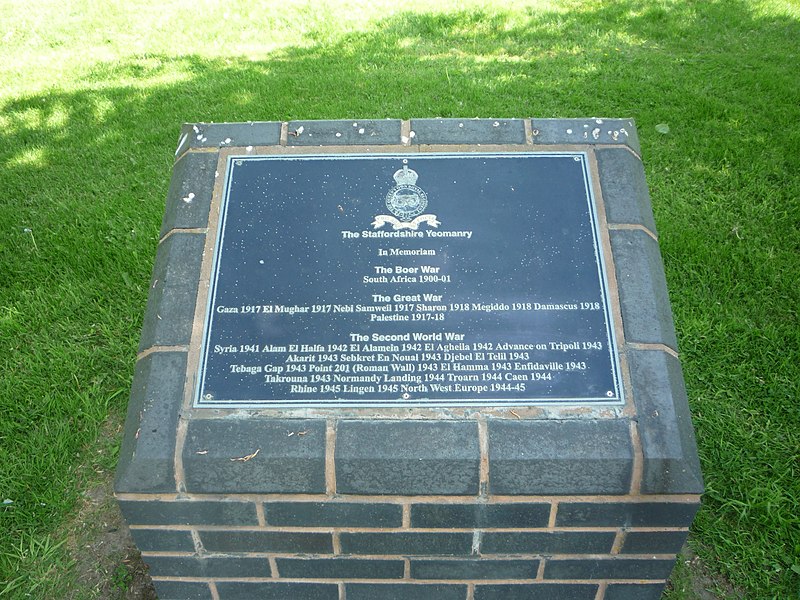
(92, 95)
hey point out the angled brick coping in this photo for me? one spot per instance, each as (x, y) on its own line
(557, 501)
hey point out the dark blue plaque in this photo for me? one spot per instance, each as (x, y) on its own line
(408, 280)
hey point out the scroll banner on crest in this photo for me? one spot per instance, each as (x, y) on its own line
(381, 220)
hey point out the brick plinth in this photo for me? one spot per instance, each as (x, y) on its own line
(553, 502)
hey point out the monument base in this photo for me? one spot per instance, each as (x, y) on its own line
(519, 493)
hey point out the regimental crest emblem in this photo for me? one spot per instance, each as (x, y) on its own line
(407, 202)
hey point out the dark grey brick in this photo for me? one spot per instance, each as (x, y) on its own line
(404, 591)
(266, 541)
(468, 131)
(162, 540)
(654, 542)
(586, 131)
(190, 191)
(189, 512)
(147, 457)
(625, 514)
(284, 464)
(213, 566)
(671, 465)
(173, 291)
(450, 544)
(614, 568)
(625, 192)
(407, 457)
(479, 516)
(646, 312)
(340, 568)
(212, 135)
(560, 457)
(182, 590)
(241, 590)
(537, 591)
(333, 514)
(634, 591)
(340, 133)
(474, 569)
(547, 543)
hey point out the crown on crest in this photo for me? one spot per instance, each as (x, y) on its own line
(406, 176)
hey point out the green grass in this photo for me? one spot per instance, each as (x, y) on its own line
(33, 567)
(92, 95)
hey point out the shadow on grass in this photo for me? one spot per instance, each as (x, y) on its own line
(86, 172)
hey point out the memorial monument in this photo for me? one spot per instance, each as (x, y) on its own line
(409, 359)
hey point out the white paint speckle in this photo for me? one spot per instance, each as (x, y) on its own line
(412, 134)
(338, 134)
(569, 131)
(496, 124)
(188, 199)
(461, 125)
(249, 148)
(181, 143)
(200, 137)
(300, 130)
(361, 131)
(596, 133)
